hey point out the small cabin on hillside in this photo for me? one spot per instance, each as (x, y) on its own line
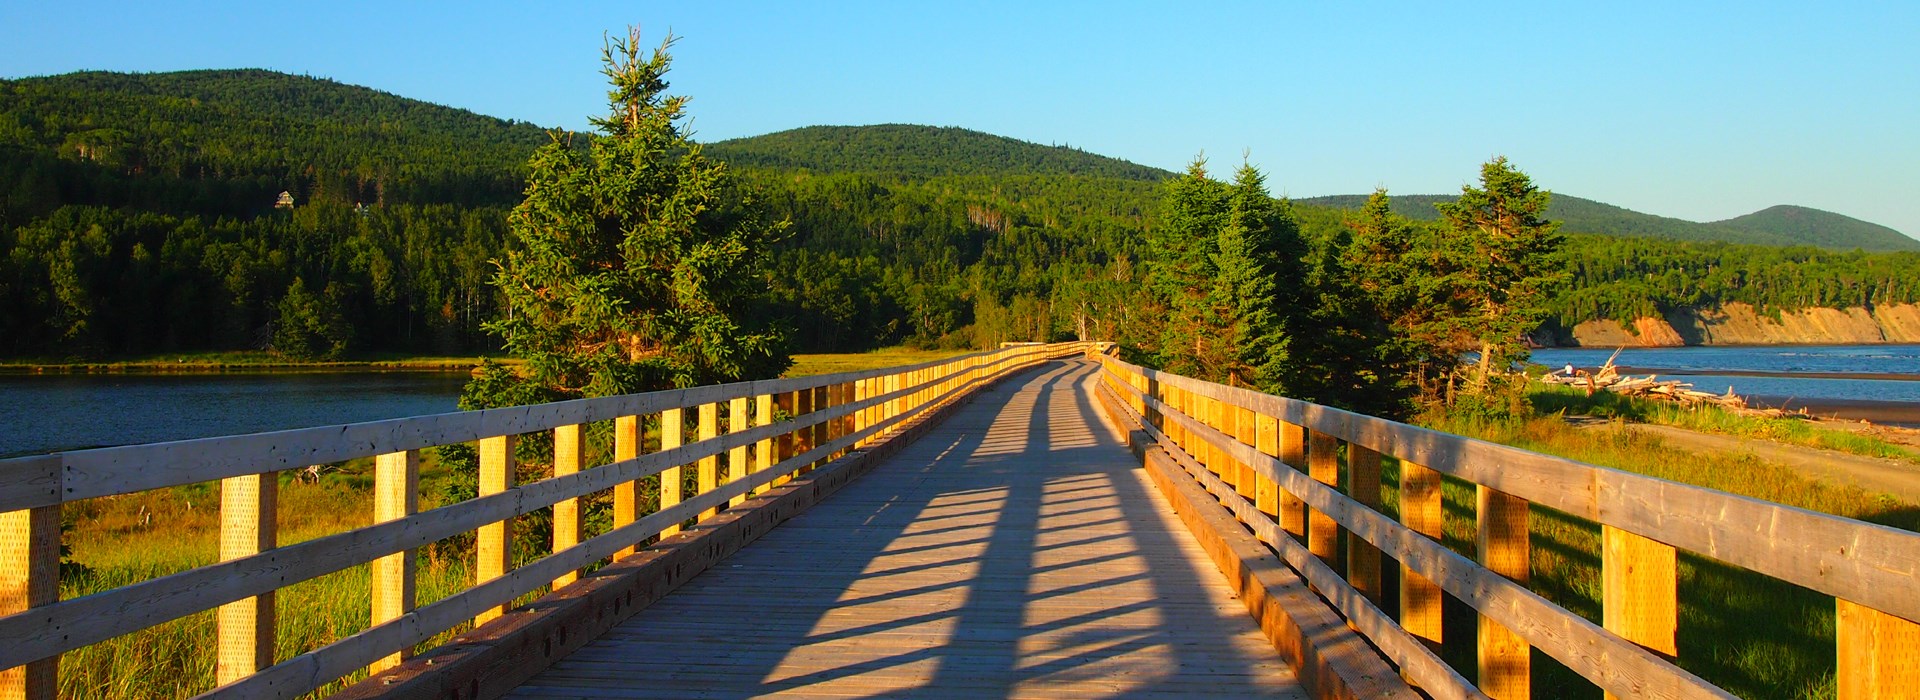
(285, 201)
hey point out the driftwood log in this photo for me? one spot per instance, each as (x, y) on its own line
(1608, 378)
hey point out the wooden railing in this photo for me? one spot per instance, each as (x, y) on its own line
(825, 416)
(1277, 463)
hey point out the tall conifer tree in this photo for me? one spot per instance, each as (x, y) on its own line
(1183, 271)
(642, 264)
(1257, 259)
(1510, 264)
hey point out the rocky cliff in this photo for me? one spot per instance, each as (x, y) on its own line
(1741, 324)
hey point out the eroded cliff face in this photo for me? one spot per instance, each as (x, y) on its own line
(1741, 324)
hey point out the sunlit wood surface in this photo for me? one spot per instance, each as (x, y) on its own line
(1015, 551)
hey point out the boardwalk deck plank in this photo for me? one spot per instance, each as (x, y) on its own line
(1015, 551)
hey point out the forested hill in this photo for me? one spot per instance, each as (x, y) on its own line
(911, 151)
(1777, 226)
(228, 141)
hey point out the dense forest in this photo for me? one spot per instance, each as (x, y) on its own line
(138, 215)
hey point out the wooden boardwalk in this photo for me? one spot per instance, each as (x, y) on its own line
(1017, 550)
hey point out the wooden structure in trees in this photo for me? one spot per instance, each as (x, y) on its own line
(1283, 496)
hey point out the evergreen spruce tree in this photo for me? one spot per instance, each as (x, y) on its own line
(1510, 266)
(1256, 259)
(1183, 271)
(641, 263)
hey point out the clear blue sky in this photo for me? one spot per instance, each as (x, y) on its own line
(1701, 112)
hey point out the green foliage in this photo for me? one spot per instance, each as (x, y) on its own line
(1628, 278)
(1257, 255)
(1508, 263)
(641, 262)
(311, 325)
(920, 152)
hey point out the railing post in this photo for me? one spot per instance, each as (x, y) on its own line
(245, 627)
(1266, 495)
(626, 494)
(763, 457)
(860, 393)
(1638, 588)
(30, 578)
(1293, 452)
(1420, 511)
(802, 437)
(1323, 464)
(822, 399)
(737, 457)
(784, 445)
(396, 495)
(1225, 421)
(1363, 485)
(672, 433)
(495, 540)
(1246, 483)
(709, 477)
(1879, 653)
(566, 514)
(1502, 541)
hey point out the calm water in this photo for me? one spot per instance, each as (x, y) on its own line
(48, 413)
(1676, 362)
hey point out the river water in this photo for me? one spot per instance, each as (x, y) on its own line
(50, 413)
(1772, 372)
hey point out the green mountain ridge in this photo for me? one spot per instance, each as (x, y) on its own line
(1782, 225)
(915, 151)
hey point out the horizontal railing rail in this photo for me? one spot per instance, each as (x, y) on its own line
(1276, 463)
(820, 418)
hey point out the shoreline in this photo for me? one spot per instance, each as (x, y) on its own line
(1894, 413)
(1883, 376)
